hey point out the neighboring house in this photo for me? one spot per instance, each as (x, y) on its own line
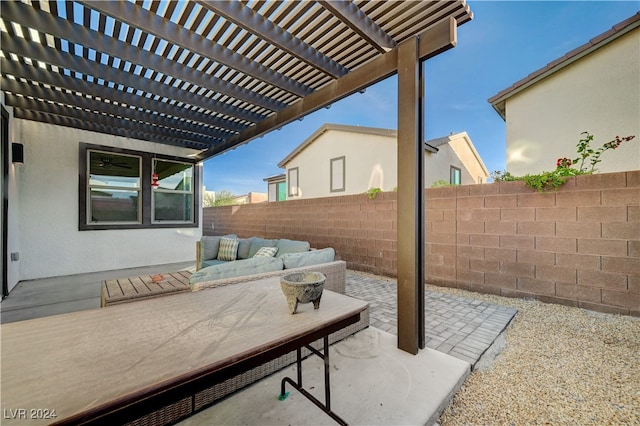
(250, 198)
(340, 160)
(594, 88)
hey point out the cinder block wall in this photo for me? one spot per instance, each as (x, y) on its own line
(579, 246)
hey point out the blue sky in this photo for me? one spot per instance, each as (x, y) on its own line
(506, 41)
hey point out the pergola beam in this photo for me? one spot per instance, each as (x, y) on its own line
(151, 23)
(189, 120)
(58, 120)
(359, 22)
(71, 62)
(143, 130)
(65, 30)
(436, 39)
(245, 17)
(205, 134)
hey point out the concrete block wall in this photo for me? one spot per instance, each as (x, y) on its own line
(578, 246)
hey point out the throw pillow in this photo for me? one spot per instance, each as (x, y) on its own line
(209, 246)
(260, 242)
(228, 249)
(266, 252)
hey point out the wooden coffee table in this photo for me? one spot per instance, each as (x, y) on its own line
(123, 290)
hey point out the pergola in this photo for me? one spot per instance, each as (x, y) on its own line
(211, 75)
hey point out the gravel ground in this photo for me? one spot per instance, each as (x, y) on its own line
(560, 365)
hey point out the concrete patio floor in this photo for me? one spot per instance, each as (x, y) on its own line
(373, 382)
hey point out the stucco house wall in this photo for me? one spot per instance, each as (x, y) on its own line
(370, 159)
(370, 162)
(44, 211)
(598, 93)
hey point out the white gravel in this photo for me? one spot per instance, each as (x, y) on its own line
(560, 365)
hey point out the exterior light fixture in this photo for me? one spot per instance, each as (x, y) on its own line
(17, 153)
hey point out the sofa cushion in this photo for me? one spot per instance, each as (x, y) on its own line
(254, 265)
(266, 252)
(308, 258)
(211, 262)
(228, 248)
(209, 246)
(257, 243)
(243, 247)
(291, 246)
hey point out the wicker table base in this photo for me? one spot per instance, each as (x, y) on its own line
(123, 290)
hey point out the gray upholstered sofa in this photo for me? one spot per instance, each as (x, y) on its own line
(224, 257)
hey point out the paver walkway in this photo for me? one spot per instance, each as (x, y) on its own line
(461, 327)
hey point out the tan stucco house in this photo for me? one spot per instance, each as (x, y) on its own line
(341, 160)
(594, 88)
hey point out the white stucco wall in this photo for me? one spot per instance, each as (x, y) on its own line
(599, 93)
(456, 153)
(50, 243)
(370, 162)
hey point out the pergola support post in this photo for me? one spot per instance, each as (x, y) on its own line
(411, 260)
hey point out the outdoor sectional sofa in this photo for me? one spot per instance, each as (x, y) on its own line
(227, 256)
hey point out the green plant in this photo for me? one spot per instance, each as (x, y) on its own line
(593, 156)
(372, 193)
(441, 183)
(564, 170)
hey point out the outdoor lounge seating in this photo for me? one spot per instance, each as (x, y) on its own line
(227, 256)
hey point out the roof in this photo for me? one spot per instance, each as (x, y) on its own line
(498, 101)
(430, 145)
(275, 178)
(467, 139)
(339, 127)
(204, 75)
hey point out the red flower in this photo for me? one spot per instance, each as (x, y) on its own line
(563, 162)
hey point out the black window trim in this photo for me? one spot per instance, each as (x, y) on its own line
(147, 160)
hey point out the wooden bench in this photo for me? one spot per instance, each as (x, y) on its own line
(123, 290)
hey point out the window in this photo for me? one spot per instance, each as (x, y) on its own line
(173, 198)
(337, 172)
(278, 191)
(281, 191)
(454, 175)
(292, 178)
(116, 190)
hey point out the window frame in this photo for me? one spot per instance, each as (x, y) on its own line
(337, 161)
(90, 187)
(146, 190)
(290, 187)
(172, 191)
(458, 172)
